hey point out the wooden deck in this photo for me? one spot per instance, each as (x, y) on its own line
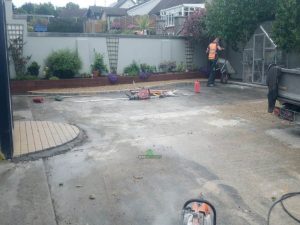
(34, 136)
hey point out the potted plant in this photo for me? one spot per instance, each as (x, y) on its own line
(98, 67)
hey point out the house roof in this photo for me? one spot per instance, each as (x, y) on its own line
(72, 13)
(112, 11)
(121, 2)
(109, 11)
(139, 4)
(164, 4)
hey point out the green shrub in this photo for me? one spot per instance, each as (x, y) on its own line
(33, 69)
(99, 63)
(85, 75)
(167, 66)
(132, 70)
(63, 63)
(53, 78)
(65, 25)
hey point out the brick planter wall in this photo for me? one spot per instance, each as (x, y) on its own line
(23, 86)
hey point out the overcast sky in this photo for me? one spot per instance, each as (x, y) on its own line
(82, 3)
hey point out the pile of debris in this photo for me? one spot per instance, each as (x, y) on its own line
(146, 93)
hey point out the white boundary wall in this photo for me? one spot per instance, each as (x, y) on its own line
(152, 50)
(142, 49)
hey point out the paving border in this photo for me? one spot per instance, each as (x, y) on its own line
(25, 86)
(48, 92)
(57, 150)
(248, 84)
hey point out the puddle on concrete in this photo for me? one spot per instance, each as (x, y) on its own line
(221, 123)
(290, 136)
(100, 155)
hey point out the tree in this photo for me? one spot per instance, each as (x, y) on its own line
(235, 21)
(27, 8)
(287, 25)
(45, 9)
(14, 8)
(72, 5)
(195, 26)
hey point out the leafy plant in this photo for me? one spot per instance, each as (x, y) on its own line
(146, 71)
(98, 64)
(53, 78)
(147, 68)
(181, 67)
(132, 70)
(33, 69)
(16, 51)
(63, 63)
(143, 22)
(85, 75)
(26, 77)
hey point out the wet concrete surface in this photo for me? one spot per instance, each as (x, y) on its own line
(220, 143)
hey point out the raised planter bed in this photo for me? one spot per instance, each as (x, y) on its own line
(23, 86)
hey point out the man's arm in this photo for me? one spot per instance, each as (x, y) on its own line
(220, 48)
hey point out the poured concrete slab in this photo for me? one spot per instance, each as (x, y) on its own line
(24, 195)
(214, 143)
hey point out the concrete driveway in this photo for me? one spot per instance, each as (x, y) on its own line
(221, 143)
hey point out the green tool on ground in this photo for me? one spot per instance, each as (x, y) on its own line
(58, 98)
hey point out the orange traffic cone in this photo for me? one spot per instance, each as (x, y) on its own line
(197, 86)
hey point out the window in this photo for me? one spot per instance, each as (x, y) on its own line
(169, 21)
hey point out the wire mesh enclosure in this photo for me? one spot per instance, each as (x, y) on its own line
(258, 54)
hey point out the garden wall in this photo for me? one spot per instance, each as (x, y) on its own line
(24, 86)
(118, 50)
(143, 49)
